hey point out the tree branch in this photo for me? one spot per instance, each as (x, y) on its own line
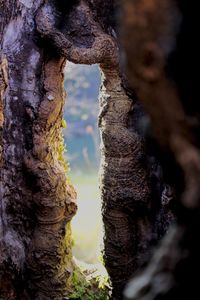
(103, 50)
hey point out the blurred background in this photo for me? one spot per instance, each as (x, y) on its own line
(82, 141)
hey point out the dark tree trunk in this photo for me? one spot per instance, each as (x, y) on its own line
(159, 40)
(124, 183)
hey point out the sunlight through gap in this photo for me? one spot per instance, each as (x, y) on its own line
(82, 139)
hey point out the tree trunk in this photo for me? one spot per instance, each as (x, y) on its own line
(124, 180)
(124, 184)
(162, 65)
(37, 202)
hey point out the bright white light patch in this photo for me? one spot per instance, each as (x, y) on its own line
(27, 3)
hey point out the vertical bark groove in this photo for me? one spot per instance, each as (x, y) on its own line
(3, 85)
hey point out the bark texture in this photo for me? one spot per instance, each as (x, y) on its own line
(36, 200)
(124, 183)
(37, 203)
(161, 64)
(118, 184)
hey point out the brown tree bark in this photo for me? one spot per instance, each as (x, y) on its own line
(123, 178)
(125, 183)
(37, 203)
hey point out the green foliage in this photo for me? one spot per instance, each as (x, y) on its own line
(96, 288)
(101, 259)
(66, 244)
(64, 123)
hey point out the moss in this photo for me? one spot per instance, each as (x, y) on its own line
(80, 284)
(62, 149)
(64, 123)
(88, 288)
(65, 249)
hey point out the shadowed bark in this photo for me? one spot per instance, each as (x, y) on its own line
(161, 64)
(124, 184)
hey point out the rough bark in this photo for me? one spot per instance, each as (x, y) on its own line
(36, 200)
(161, 64)
(137, 204)
(124, 183)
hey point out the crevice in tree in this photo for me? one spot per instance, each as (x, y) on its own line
(43, 249)
(91, 280)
